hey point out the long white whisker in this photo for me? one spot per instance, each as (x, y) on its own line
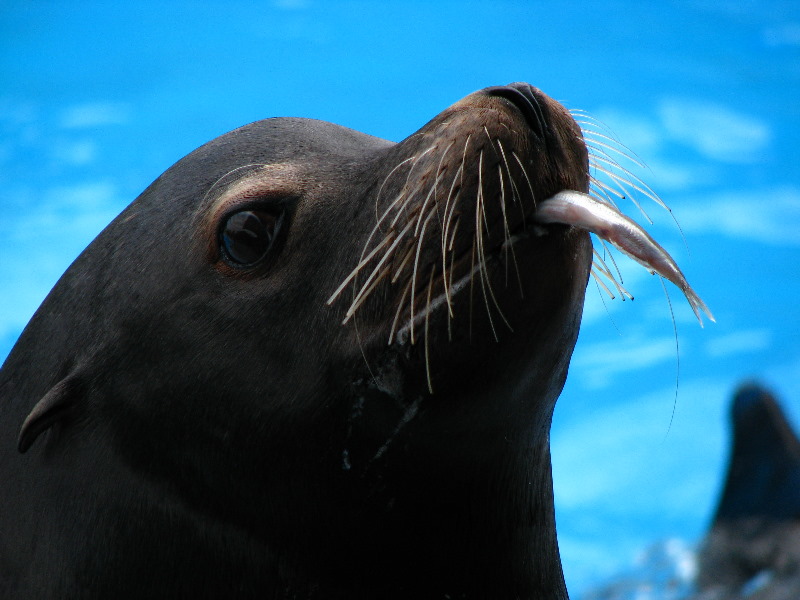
(525, 173)
(358, 268)
(416, 267)
(380, 189)
(389, 252)
(427, 335)
(399, 310)
(630, 179)
(620, 182)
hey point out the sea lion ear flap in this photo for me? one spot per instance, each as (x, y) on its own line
(52, 408)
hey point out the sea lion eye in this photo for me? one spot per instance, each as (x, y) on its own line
(245, 237)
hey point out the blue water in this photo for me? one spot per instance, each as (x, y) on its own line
(97, 99)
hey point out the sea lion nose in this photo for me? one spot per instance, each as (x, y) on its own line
(523, 96)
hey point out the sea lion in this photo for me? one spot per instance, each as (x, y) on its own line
(752, 549)
(308, 363)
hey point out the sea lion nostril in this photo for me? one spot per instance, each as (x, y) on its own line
(523, 98)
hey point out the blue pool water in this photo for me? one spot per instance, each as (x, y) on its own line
(97, 99)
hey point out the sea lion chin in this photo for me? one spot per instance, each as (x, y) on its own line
(308, 363)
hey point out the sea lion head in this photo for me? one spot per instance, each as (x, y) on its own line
(336, 346)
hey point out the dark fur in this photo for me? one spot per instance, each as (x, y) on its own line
(210, 433)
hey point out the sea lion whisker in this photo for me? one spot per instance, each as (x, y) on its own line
(610, 255)
(597, 141)
(420, 212)
(590, 120)
(506, 127)
(601, 266)
(480, 225)
(598, 145)
(606, 191)
(594, 130)
(440, 175)
(377, 225)
(401, 209)
(404, 332)
(588, 127)
(365, 258)
(417, 159)
(471, 286)
(592, 125)
(403, 263)
(598, 151)
(486, 285)
(506, 231)
(364, 261)
(464, 157)
(620, 182)
(404, 194)
(525, 174)
(508, 247)
(361, 349)
(586, 123)
(399, 310)
(481, 200)
(488, 136)
(385, 180)
(364, 294)
(400, 198)
(389, 252)
(597, 278)
(451, 202)
(677, 354)
(629, 179)
(449, 209)
(516, 196)
(416, 268)
(448, 297)
(483, 281)
(515, 192)
(637, 184)
(446, 277)
(431, 194)
(427, 335)
(605, 305)
(453, 235)
(448, 220)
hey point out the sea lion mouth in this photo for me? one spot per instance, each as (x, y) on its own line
(531, 226)
(609, 224)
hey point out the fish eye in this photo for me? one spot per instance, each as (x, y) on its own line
(246, 236)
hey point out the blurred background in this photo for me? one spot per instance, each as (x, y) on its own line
(98, 98)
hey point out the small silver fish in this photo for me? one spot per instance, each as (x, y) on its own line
(605, 221)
